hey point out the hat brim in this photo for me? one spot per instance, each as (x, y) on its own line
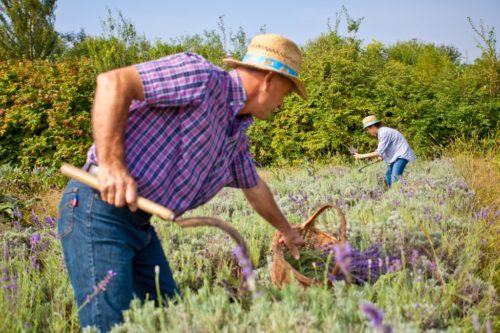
(371, 123)
(300, 89)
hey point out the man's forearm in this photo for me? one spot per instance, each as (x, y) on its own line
(262, 200)
(114, 93)
(369, 155)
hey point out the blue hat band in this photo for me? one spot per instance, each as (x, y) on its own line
(271, 63)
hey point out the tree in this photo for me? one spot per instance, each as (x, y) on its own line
(27, 29)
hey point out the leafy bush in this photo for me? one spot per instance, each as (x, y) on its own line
(45, 112)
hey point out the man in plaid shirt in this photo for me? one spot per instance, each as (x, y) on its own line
(172, 130)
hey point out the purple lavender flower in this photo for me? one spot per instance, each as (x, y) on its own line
(376, 317)
(17, 213)
(483, 213)
(35, 239)
(343, 257)
(395, 266)
(12, 286)
(103, 284)
(99, 288)
(50, 221)
(432, 266)
(419, 277)
(36, 221)
(245, 264)
(414, 258)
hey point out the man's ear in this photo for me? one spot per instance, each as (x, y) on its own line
(270, 76)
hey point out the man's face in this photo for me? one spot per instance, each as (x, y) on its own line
(372, 130)
(271, 93)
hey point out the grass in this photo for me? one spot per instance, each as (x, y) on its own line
(434, 219)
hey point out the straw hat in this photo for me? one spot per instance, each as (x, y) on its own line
(370, 120)
(274, 53)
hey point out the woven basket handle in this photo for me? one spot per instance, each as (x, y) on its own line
(343, 224)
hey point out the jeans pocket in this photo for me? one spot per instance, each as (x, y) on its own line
(69, 201)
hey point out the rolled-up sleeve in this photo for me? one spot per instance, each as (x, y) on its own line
(174, 81)
(242, 168)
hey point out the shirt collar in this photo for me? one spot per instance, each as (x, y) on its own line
(237, 101)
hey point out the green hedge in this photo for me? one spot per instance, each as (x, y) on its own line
(45, 112)
(418, 88)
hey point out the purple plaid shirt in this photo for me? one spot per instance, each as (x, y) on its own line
(184, 142)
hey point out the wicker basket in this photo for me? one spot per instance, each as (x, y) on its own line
(282, 271)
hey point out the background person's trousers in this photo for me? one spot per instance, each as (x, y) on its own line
(394, 170)
(97, 237)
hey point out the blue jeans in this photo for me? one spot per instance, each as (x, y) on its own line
(394, 170)
(97, 237)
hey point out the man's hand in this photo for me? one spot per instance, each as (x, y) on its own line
(117, 186)
(292, 239)
(358, 156)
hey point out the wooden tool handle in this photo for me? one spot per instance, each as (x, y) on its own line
(142, 203)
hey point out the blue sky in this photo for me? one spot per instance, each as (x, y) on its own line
(388, 21)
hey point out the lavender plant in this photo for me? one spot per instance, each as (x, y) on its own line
(356, 266)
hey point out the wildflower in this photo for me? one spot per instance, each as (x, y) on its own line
(36, 221)
(246, 266)
(99, 288)
(12, 286)
(17, 213)
(376, 317)
(413, 258)
(50, 221)
(419, 275)
(395, 265)
(35, 239)
(482, 214)
(432, 266)
(343, 257)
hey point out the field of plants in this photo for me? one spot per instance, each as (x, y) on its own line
(440, 223)
(423, 256)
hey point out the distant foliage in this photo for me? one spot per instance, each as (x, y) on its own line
(27, 29)
(423, 90)
(45, 112)
(418, 88)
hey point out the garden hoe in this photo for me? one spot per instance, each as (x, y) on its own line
(166, 214)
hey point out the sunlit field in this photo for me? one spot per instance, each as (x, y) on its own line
(432, 221)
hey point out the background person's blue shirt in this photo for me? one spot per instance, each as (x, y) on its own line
(393, 145)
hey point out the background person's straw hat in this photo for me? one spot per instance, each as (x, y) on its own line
(275, 53)
(370, 120)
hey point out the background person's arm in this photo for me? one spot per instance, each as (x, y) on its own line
(114, 93)
(262, 200)
(367, 155)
